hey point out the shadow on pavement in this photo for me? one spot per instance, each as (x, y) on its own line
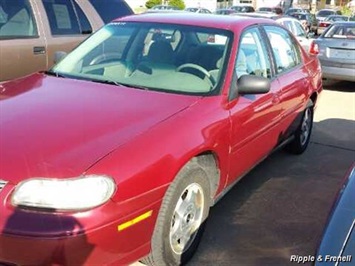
(335, 132)
(343, 86)
(279, 208)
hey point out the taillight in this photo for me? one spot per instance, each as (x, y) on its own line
(314, 48)
(322, 24)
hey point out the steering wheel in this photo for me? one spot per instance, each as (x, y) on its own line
(198, 68)
(194, 66)
(104, 58)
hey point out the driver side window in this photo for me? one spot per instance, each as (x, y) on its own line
(252, 56)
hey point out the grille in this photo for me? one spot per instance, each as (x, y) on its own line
(2, 184)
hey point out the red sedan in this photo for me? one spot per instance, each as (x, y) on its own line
(118, 153)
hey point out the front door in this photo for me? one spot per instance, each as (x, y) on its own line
(254, 118)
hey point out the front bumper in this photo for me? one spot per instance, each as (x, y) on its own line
(91, 237)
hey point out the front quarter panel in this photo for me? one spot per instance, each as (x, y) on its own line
(144, 167)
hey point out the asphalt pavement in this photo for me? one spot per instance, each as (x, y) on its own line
(279, 208)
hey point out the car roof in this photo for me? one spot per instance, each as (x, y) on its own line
(261, 14)
(344, 23)
(202, 20)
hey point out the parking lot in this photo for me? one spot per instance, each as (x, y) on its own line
(280, 207)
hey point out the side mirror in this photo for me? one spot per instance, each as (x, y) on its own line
(58, 56)
(251, 84)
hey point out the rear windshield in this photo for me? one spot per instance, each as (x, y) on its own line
(341, 32)
(265, 9)
(325, 13)
(111, 9)
(336, 18)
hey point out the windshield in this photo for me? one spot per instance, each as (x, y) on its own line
(166, 57)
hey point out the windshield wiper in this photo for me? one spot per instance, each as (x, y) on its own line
(112, 82)
(133, 86)
(107, 81)
(52, 73)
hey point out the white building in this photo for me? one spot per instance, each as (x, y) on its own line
(209, 4)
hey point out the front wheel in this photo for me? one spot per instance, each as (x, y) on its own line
(303, 133)
(182, 218)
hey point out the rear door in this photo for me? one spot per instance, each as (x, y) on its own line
(22, 41)
(292, 76)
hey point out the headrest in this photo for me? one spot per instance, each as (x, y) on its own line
(161, 52)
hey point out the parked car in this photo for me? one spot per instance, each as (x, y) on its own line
(292, 10)
(164, 7)
(308, 21)
(298, 31)
(32, 31)
(335, 49)
(323, 13)
(340, 250)
(276, 10)
(329, 20)
(198, 10)
(225, 11)
(243, 8)
(118, 152)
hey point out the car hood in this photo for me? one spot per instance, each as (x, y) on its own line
(56, 127)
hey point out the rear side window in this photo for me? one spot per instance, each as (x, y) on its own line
(285, 50)
(111, 9)
(16, 20)
(66, 17)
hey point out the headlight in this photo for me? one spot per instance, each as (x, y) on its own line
(64, 194)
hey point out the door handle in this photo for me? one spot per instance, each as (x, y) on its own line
(39, 50)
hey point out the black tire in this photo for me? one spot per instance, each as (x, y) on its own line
(167, 247)
(303, 133)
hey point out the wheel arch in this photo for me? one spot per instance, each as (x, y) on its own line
(210, 163)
